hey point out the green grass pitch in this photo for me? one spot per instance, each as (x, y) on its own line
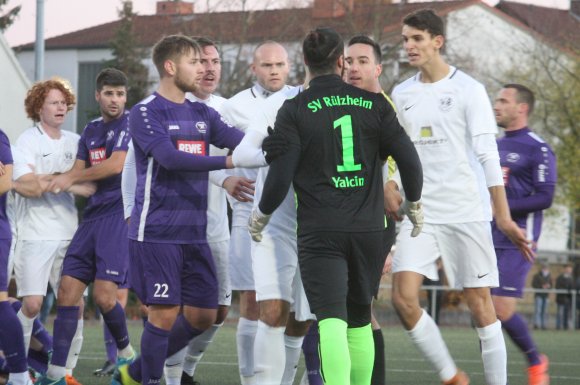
(404, 364)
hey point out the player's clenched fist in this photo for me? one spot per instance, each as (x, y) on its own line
(256, 224)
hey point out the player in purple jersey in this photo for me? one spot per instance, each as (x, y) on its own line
(529, 174)
(171, 264)
(11, 335)
(98, 251)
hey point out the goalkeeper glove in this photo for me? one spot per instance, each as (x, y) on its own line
(256, 224)
(413, 210)
(274, 145)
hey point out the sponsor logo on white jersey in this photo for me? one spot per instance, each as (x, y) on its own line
(445, 103)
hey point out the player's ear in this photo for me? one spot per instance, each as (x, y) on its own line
(439, 41)
(169, 67)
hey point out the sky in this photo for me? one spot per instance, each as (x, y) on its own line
(62, 16)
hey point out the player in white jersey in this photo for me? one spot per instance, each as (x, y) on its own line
(46, 220)
(449, 117)
(271, 68)
(218, 234)
(284, 311)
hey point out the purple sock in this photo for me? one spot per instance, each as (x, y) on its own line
(65, 327)
(117, 324)
(180, 335)
(110, 345)
(12, 339)
(518, 331)
(42, 335)
(311, 357)
(38, 360)
(135, 370)
(154, 343)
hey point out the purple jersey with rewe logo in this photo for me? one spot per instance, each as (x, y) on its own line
(170, 206)
(528, 165)
(97, 143)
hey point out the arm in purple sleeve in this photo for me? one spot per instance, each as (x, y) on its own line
(174, 160)
(540, 200)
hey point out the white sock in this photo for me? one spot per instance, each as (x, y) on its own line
(173, 367)
(293, 349)
(75, 347)
(427, 338)
(304, 380)
(27, 324)
(126, 352)
(55, 372)
(493, 354)
(245, 336)
(197, 347)
(19, 378)
(269, 354)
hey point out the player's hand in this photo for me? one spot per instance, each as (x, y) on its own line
(85, 189)
(257, 223)
(239, 188)
(393, 200)
(60, 183)
(387, 267)
(517, 236)
(274, 146)
(413, 210)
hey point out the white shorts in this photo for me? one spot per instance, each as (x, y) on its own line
(276, 272)
(219, 251)
(466, 250)
(38, 263)
(241, 275)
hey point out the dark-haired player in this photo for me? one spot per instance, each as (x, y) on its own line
(338, 137)
(448, 116)
(99, 249)
(172, 268)
(529, 173)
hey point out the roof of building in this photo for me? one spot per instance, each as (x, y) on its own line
(287, 25)
(248, 26)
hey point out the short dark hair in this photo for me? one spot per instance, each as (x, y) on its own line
(426, 20)
(322, 48)
(111, 77)
(203, 42)
(523, 95)
(363, 39)
(172, 47)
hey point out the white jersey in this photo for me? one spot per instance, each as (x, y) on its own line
(217, 209)
(283, 220)
(52, 216)
(239, 111)
(442, 118)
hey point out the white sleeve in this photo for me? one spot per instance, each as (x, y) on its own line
(217, 177)
(479, 113)
(485, 148)
(129, 181)
(249, 153)
(20, 166)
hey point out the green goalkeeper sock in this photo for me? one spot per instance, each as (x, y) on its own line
(334, 355)
(362, 354)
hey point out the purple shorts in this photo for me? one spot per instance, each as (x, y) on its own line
(173, 274)
(99, 250)
(4, 254)
(513, 271)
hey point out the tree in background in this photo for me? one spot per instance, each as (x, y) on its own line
(128, 56)
(6, 19)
